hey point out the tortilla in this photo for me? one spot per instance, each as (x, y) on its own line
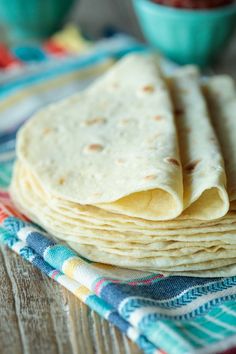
(205, 195)
(176, 264)
(121, 136)
(221, 95)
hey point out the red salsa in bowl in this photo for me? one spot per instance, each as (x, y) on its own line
(194, 4)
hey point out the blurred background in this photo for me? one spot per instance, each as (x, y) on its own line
(94, 15)
(185, 31)
(121, 15)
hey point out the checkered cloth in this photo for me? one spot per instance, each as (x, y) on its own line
(162, 314)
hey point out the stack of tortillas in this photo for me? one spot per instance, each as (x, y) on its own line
(131, 172)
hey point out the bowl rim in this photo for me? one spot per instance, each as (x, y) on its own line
(218, 11)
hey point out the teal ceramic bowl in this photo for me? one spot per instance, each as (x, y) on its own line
(186, 36)
(32, 19)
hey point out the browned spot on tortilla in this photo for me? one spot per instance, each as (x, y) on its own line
(125, 121)
(190, 167)
(61, 181)
(158, 118)
(172, 161)
(178, 111)
(120, 161)
(94, 148)
(93, 121)
(148, 88)
(202, 174)
(150, 177)
(47, 131)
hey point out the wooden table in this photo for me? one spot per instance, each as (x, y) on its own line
(37, 316)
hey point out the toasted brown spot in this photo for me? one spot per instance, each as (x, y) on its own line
(94, 148)
(172, 161)
(158, 118)
(120, 161)
(47, 131)
(94, 121)
(202, 174)
(61, 181)
(190, 167)
(150, 177)
(148, 88)
(178, 111)
(124, 121)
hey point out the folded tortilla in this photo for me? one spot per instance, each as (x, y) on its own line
(221, 96)
(205, 195)
(114, 145)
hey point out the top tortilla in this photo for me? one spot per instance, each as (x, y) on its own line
(116, 142)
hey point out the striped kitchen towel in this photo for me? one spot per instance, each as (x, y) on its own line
(162, 314)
